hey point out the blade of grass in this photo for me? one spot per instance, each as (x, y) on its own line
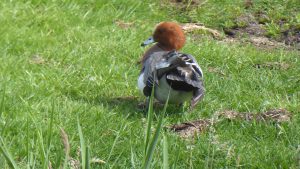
(50, 126)
(82, 146)
(41, 147)
(177, 156)
(165, 153)
(149, 119)
(27, 139)
(3, 148)
(32, 158)
(116, 139)
(122, 128)
(132, 159)
(113, 146)
(151, 147)
(7, 155)
(32, 161)
(65, 141)
(87, 157)
(2, 101)
(49, 135)
(116, 160)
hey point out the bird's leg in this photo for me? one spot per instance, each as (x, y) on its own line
(144, 106)
(147, 104)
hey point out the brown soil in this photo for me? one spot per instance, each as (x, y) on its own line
(248, 27)
(291, 37)
(215, 70)
(193, 27)
(264, 42)
(272, 65)
(186, 2)
(245, 25)
(248, 4)
(253, 27)
(277, 115)
(123, 24)
(37, 59)
(251, 33)
(190, 129)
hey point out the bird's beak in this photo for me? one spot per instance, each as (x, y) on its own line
(148, 41)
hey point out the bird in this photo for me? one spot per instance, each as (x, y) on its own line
(174, 76)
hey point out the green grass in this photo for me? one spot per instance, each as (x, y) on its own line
(276, 16)
(89, 61)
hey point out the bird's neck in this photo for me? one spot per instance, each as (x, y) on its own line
(155, 48)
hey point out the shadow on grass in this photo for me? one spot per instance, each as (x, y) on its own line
(134, 105)
(125, 105)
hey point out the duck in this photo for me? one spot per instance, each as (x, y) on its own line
(176, 77)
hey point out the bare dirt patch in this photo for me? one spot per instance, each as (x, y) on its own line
(291, 37)
(247, 29)
(277, 115)
(192, 27)
(264, 42)
(252, 32)
(37, 59)
(190, 129)
(123, 24)
(215, 70)
(272, 65)
(248, 4)
(252, 28)
(193, 128)
(186, 3)
(245, 25)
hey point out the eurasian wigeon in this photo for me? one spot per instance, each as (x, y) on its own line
(175, 75)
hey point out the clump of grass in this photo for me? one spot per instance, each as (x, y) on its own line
(273, 30)
(4, 151)
(165, 153)
(151, 144)
(84, 150)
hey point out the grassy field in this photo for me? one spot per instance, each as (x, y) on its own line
(65, 63)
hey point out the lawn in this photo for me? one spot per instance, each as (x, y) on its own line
(72, 66)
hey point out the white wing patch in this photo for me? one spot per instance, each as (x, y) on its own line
(141, 84)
